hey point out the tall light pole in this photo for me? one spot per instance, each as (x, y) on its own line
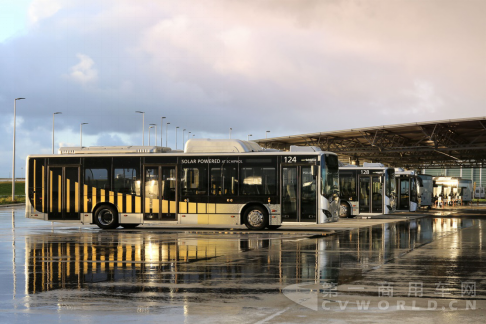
(154, 126)
(56, 113)
(177, 127)
(13, 157)
(149, 133)
(81, 134)
(183, 138)
(248, 137)
(161, 127)
(230, 132)
(188, 137)
(166, 136)
(143, 126)
(266, 133)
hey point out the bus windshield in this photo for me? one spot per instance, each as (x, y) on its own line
(330, 175)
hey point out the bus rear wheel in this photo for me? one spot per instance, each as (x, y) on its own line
(255, 218)
(344, 210)
(106, 217)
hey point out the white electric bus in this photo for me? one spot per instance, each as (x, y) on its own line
(453, 189)
(229, 182)
(367, 189)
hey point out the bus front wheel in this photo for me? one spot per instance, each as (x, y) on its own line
(106, 217)
(256, 218)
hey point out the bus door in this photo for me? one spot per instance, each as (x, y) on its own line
(64, 193)
(370, 194)
(403, 185)
(299, 194)
(160, 193)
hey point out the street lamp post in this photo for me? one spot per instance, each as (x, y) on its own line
(143, 126)
(183, 138)
(56, 113)
(161, 127)
(154, 126)
(188, 136)
(13, 155)
(81, 134)
(248, 137)
(166, 134)
(266, 133)
(149, 133)
(230, 132)
(177, 127)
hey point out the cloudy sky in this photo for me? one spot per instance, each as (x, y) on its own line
(288, 66)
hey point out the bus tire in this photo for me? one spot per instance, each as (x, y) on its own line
(129, 226)
(344, 210)
(273, 227)
(106, 217)
(255, 217)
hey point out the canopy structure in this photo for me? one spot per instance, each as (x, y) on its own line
(435, 144)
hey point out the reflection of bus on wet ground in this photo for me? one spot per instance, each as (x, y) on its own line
(367, 189)
(167, 266)
(229, 182)
(453, 190)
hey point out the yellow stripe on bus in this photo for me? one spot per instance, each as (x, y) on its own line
(182, 207)
(59, 193)
(43, 204)
(202, 208)
(94, 197)
(85, 201)
(112, 197)
(68, 195)
(76, 197)
(155, 206)
(129, 203)
(35, 187)
(165, 206)
(119, 202)
(192, 208)
(147, 205)
(50, 191)
(138, 204)
(102, 195)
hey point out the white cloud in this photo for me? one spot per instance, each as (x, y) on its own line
(83, 72)
(42, 9)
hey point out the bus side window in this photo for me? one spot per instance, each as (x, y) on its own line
(258, 181)
(194, 181)
(224, 181)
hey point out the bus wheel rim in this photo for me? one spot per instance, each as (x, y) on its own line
(105, 217)
(344, 210)
(255, 218)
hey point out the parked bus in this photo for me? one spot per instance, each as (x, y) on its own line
(367, 189)
(426, 190)
(229, 182)
(408, 188)
(479, 193)
(453, 189)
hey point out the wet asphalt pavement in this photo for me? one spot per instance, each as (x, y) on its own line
(421, 270)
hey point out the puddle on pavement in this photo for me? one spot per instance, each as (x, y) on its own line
(81, 264)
